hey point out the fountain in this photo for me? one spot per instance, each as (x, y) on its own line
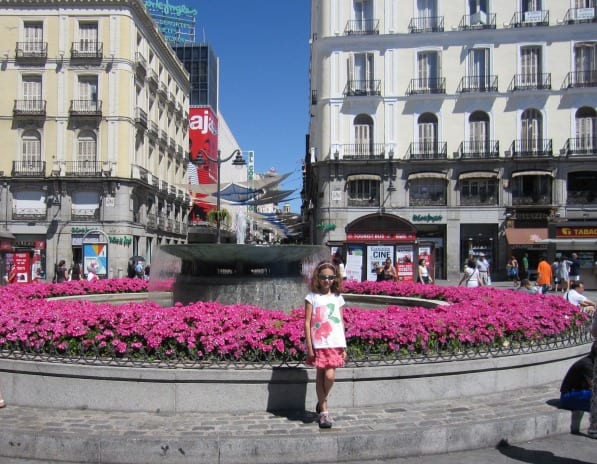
(272, 277)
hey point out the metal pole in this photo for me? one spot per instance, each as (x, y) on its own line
(219, 184)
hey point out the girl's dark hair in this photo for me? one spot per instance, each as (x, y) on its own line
(315, 284)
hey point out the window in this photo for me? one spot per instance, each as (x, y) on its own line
(531, 131)
(363, 192)
(582, 188)
(363, 135)
(477, 192)
(86, 152)
(427, 125)
(85, 204)
(530, 66)
(585, 62)
(32, 94)
(531, 190)
(427, 192)
(479, 132)
(363, 14)
(33, 35)
(478, 69)
(427, 9)
(31, 146)
(584, 3)
(476, 7)
(360, 74)
(428, 68)
(88, 37)
(531, 5)
(586, 128)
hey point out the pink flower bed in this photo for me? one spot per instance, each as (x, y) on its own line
(207, 330)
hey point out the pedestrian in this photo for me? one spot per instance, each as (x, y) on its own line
(526, 270)
(61, 274)
(483, 268)
(338, 261)
(544, 275)
(527, 287)
(12, 274)
(324, 333)
(389, 271)
(75, 272)
(574, 272)
(576, 296)
(92, 272)
(577, 386)
(470, 276)
(139, 270)
(512, 270)
(146, 272)
(423, 275)
(592, 432)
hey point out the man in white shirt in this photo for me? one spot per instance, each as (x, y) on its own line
(483, 268)
(576, 297)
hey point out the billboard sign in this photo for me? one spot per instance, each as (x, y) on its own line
(203, 137)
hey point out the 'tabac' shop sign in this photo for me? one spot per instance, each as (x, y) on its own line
(576, 232)
(380, 236)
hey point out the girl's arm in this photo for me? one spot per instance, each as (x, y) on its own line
(344, 352)
(308, 342)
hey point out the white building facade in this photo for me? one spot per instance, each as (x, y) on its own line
(453, 128)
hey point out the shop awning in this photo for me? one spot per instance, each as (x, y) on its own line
(532, 173)
(478, 175)
(427, 175)
(525, 236)
(6, 235)
(571, 243)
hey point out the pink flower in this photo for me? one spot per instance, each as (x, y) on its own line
(321, 327)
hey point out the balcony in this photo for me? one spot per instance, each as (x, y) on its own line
(427, 85)
(426, 24)
(537, 81)
(83, 168)
(86, 108)
(31, 51)
(152, 221)
(478, 149)
(163, 138)
(476, 21)
(531, 148)
(478, 200)
(361, 151)
(140, 64)
(474, 84)
(84, 214)
(580, 79)
(86, 50)
(580, 146)
(362, 27)
(163, 91)
(360, 88)
(140, 118)
(152, 79)
(580, 15)
(535, 199)
(172, 191)
(530, 18)
(29, 109)
(581, 197)
(153, 130)
(427, 199)
(164, 187)
(28, 168)
(422, 151)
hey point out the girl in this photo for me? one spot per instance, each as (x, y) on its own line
(324, 333)
(424, 276)
(470, 275)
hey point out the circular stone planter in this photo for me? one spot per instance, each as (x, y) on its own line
(129, 388)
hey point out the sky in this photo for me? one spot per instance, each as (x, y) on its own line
(263, 48)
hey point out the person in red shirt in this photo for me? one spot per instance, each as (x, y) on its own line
(544, 274)
(12, 274)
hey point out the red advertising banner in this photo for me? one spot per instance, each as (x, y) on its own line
(203, 137)
(375, 236)
(404, 262)
(23, 266)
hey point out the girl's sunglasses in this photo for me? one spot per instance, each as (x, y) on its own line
(326, 277)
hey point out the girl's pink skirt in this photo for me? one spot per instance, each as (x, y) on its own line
(328, 357)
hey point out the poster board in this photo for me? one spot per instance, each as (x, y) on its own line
(404, 262)
(354, 262)
(376, 256)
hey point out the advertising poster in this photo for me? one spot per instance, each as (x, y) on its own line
(22, 262)
(203, 138)
(354, 262)
(376, 256)
(404, 263)
(96, 254)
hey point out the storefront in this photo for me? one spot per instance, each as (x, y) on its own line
(371, 239)
(529, 241)
(28, 253)
(477, 240)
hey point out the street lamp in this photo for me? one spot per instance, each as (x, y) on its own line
(238, 161)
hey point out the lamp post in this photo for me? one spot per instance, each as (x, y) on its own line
(238, 161)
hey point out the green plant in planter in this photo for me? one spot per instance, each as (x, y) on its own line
(223, 215)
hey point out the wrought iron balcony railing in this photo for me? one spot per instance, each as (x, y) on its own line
(29, 108)
(358, 88)
(580, 197)
(87, 50)
(362, 27)
(479, 20)
(83, 168)
(140, 62)
(478, 149)
(531, 200)
(141, 117)
(530, 18)
(427, 151)
(152, 79)
(535, 81)
(478, 200)
(579, 79)
(361, 151)
(85, 214)
(91, 108)
(530, 148)
(580, 146)
(486, 83)
(28, 168)
(580, 15)
(436, 199)
(427, 85)
(29, 213)
(426, 24)
(31, 50)
(153, 130)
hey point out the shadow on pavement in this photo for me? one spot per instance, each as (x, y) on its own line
(534, 456)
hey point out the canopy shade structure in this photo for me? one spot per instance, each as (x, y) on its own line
(530, 236)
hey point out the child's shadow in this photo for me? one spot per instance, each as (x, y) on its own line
(533, 456)
(287, 393)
